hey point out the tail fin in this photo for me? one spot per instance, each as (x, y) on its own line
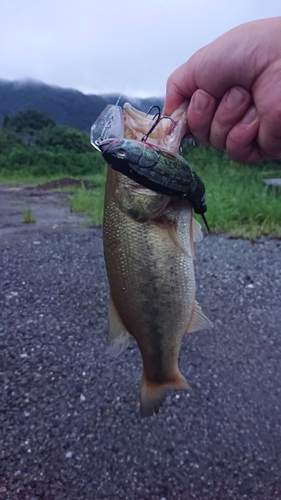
(153, 394)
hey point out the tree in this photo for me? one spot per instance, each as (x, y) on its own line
(30, 121)
(69, 139)
(6, 121)
(8, 140)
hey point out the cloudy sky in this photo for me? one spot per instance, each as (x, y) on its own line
(101, 46)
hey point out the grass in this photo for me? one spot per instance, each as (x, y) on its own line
(239, 203)
(90, 202)
(28, 216)
(25, 177)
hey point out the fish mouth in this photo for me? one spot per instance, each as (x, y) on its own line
(166, 135)
(138, 123)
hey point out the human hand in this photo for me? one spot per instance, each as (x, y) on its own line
(234, 87)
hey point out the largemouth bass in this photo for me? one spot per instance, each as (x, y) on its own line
(149, 251)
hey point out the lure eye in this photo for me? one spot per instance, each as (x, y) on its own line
(121, 153)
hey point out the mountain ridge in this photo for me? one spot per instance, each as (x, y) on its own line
(67, 107)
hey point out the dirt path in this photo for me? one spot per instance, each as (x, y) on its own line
(48, 207)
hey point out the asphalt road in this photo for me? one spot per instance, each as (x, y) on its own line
(69, 414)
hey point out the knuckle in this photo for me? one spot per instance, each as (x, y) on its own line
(218, 135)
(273, 153)
(240, 156)
(270, 143)
(221, 120)
(201, 133)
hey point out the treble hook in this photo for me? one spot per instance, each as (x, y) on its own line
(145, 137)
(158, 113)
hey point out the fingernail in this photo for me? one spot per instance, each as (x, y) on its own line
(234, 98)
(200, 101)
(250, 116)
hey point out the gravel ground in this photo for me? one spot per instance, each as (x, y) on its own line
(69, 415)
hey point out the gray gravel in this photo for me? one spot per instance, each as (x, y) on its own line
(69, 414)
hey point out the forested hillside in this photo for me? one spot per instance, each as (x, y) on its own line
(32, 143)
(65, 106)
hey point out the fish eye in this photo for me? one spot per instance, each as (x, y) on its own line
(121, 153)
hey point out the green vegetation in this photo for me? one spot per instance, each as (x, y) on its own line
(28, 121)
(28, 216)
(90, 202)
(32, 146)
(239, 202)
(33, 150)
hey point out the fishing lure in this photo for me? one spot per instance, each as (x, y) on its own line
(146, 164)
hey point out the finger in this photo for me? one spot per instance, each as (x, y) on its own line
(200, 114)
(241, 144)
(230, 111)
(173, 99)
(179, 87)
(269, 138)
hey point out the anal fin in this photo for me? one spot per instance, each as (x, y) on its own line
(118, 337)
(199, 321)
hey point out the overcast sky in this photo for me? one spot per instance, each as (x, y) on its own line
(101, 46)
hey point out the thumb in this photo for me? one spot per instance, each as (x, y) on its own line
(178, 88)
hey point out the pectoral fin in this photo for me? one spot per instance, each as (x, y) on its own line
(141, 204)
(195, 235)
(199, 321)
(118, 337)
(172, 230)
(196, 230)
(171, 227)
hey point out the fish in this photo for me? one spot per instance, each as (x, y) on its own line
(148, 241)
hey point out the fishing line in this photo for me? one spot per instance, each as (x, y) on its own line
(153, 26)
